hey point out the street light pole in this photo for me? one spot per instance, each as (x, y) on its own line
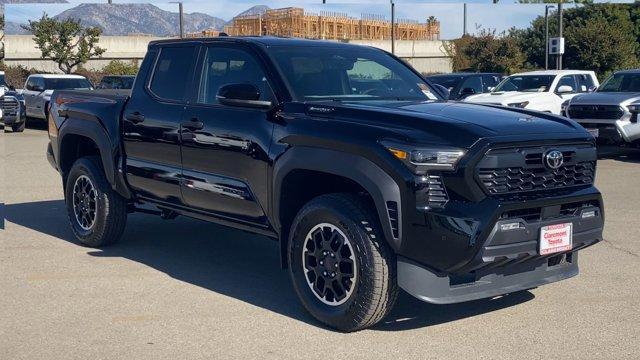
(464, 19)
(560, 31)
(546, 36)
(181, 17)
(393, 27)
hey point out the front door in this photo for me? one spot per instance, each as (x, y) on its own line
(225, 148)
(152, 122)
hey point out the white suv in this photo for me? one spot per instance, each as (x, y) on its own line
(38, 89)
(539, 90)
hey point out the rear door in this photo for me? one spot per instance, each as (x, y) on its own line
(225, 148)
(29, 95)
(151, 122)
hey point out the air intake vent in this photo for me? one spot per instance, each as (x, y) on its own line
(392, 210)
(436, 194)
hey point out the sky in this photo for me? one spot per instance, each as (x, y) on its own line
(480, 13)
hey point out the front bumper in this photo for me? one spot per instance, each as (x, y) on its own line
(621, 131)
(438, 289)
(12, 119)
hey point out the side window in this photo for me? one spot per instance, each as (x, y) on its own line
(585, 81)
(489, 81)
(224, 66)
(172, 71)
(567, 80)
(473, 82)
(40, 82)
(30, 83)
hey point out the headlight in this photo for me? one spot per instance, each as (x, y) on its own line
(427, 158)
(520, 105)
(634, 108)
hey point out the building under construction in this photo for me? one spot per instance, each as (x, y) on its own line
(295, 22)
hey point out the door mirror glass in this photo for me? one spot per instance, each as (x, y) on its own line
(246, 95)
(592, 88)
(565, 89)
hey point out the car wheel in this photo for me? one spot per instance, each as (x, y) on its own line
(342, 269)
(18, 127)
(97, 213)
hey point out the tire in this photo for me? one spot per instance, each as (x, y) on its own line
(18, 127)
(109, 208)
(373, 287)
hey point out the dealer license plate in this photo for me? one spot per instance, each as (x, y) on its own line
(594, 132)
(556, 238)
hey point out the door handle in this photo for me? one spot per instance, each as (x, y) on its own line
(135, 117)
(193, 124)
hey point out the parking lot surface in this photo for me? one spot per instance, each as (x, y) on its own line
(186, 289)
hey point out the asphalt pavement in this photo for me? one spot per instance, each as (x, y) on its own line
(186, 289)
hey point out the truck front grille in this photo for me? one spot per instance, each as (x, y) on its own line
(10, 105)
(519, 170)
(600, 112)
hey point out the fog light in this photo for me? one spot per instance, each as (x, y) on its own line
(509, 226)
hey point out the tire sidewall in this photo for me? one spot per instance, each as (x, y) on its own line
(87, 167)
(333, 315)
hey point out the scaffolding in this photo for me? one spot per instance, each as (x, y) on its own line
(295, 22)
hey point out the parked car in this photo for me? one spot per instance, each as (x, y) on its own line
(116, 82)
(38, 89)
(12, 108)
(3, 84)
(611, 112)
(539, 90)
(364, 174)
(461, 85)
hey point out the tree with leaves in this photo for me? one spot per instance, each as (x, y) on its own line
(486, 52)
(66, 42)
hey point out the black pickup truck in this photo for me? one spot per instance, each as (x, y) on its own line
(347, 157)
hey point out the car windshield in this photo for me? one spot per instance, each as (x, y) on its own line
(450, 82)
(66, 83)
(526, 83)
(627, 82)
(316, 73)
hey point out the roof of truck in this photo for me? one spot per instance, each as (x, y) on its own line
(57, 76)
(554, 72)
(263, 40)
(628, 71)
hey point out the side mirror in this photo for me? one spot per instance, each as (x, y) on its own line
(445, 92)
(592, 88)
(564, 89)
(246, 95)
(491, 88)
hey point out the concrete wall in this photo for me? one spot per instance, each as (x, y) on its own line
(22, 50)
(426, 56)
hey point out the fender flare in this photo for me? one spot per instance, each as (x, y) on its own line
(371, 177)
(94, 131)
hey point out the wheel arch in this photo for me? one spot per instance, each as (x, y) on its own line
(337, 172)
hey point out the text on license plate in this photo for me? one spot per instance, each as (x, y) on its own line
(556, 238)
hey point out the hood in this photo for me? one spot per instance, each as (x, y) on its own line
(605, 98)
(454, 122)
(502, 97)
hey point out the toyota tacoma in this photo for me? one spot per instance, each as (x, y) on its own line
(368, 180)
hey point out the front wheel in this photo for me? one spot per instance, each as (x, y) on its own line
(97, 213)
(341, 268)
(18, 127)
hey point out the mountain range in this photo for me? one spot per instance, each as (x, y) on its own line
(124, 19)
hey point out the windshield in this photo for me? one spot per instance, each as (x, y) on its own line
(66, 83)
(336, 73)
(628, 82)
(526, 83)
(450, 82)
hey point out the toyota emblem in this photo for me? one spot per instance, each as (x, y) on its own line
(554, 159)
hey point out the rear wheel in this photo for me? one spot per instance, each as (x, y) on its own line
(342, 269)
(97, 213)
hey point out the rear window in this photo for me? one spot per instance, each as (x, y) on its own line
(172, 72)
(66, 83)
